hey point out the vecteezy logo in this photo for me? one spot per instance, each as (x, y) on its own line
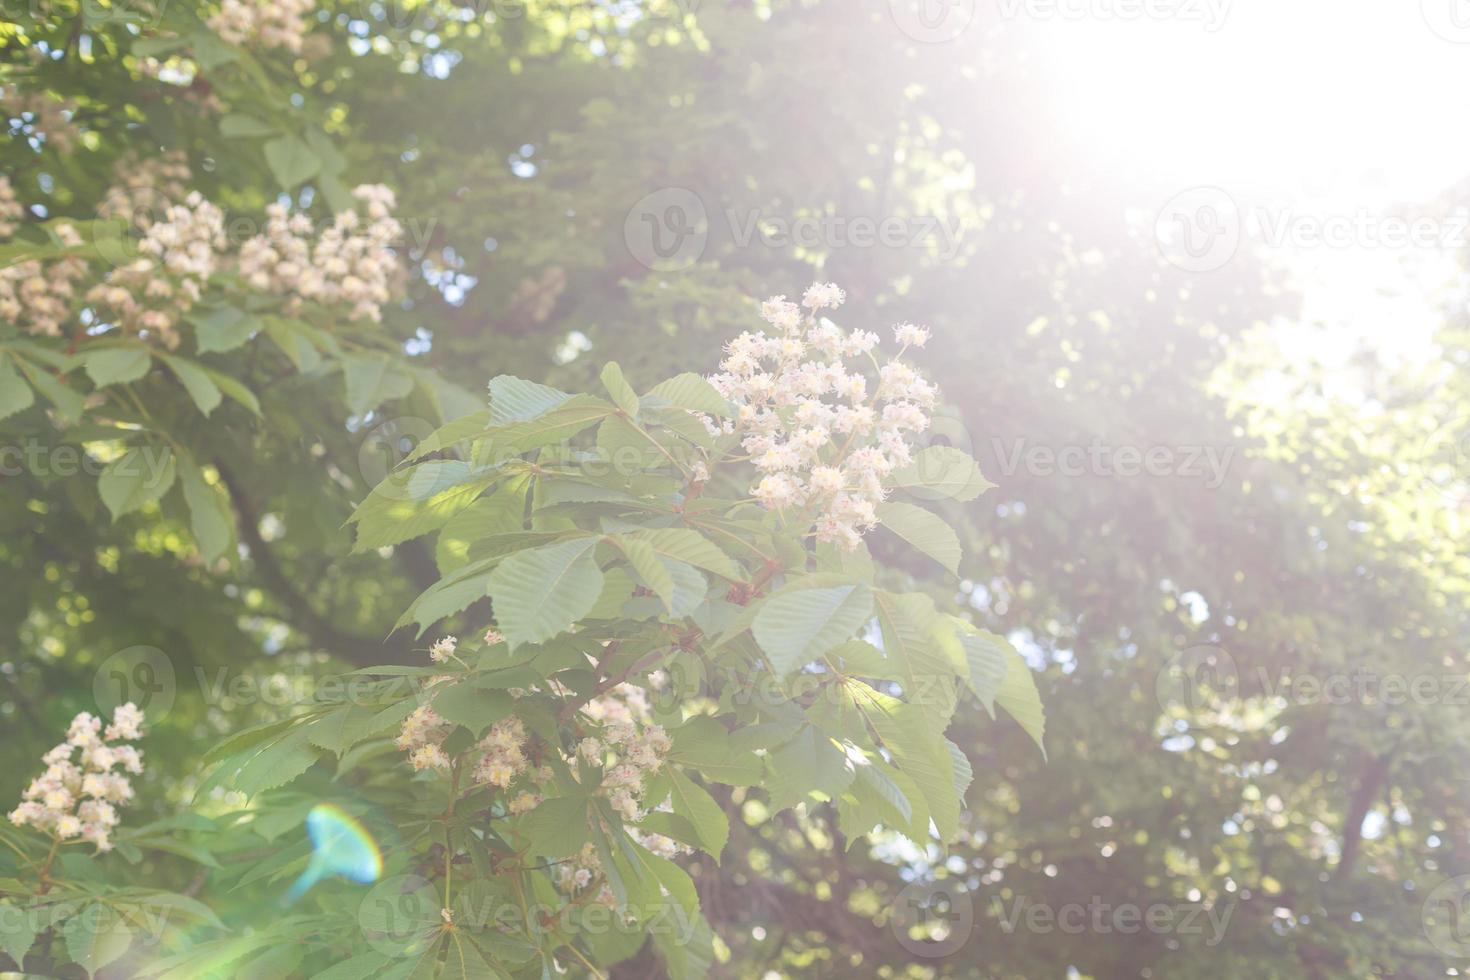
(1199, 229)
(667, 230)
(932, 21)
(1445, 459)
(141, 675)
(388, 444)
(1446, 917)
(1201, 678)
(1450, 19)
(942, 910)
(399, 915)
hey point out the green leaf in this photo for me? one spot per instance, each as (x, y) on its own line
(617, 386)
(517, 400)
(209, 513)
(704, 745)
(67, 401)
(543, 592)
(880, 796)
(808, 762)
(692, 392)
(912, 632)
(197, 382)
(988, 657)
(693, 802)
(373, 379)
(447, 596)
(654, 573)
(464, 961)
(238, 125)
(136, 478)
(116, 365)
(17, 930)
(797, 626)
(474, 708)
(291, 160)
(557, 828)
(910, 733)
(1018, 696)
(96, 936)
(235, 390)
(692, 548)
(943, 471)
(414, 501)
(222, 329)
(277, 763)
(925, 531)
(15, 394)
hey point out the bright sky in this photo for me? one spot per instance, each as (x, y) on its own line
(1326, 110)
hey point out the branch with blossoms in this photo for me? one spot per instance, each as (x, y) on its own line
(75, 800)
(683, 597)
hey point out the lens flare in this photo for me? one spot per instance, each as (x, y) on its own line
(341, 846)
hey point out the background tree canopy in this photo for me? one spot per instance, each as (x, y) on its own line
(1178, 496)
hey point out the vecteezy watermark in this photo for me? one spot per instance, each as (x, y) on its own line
(142, 675)
(404, 14)
(933, 919)
(1445, 916)
(1450, 19)
(1206, 463)
(402, 916)
(35, 458)
(1099, 917)
(1206, 678)
(669, 230)
(932, 21)
(1199, 678)
(146, 677)
(1444, 462)
(1210, 14)
(1200, 229)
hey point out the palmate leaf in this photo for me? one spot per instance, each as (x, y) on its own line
(544, 591)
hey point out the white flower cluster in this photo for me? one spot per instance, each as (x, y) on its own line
(819, 436)
(11, 211)
(180, 252)
(183, 244)
(146, 188)
(443, 649)
(40, 114)
(268, 23)
(38, 295)
(505, 756)
(421, 737)
(351, 262)
(70, 800)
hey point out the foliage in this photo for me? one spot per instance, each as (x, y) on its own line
(519, 141)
